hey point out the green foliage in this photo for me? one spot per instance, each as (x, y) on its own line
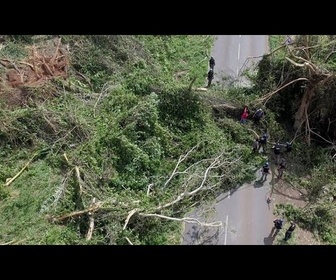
(181, 110)
(124, 128)
(14, 50)
(187, 53)
(317, 219)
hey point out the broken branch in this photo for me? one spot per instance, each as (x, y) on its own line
(131, 213)
(186, 219)
(10, 180)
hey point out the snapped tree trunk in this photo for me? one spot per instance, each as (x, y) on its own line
(301, 116)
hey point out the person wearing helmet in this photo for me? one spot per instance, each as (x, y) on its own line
(258, 115)
(277, 151)
(265, 171)
(263, 142)
(278, 223)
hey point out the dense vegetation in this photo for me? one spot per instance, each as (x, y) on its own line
(110, 143)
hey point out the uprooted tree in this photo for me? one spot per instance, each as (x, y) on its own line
(301, 83)
(189, 183)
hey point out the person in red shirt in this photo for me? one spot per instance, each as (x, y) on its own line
(244, 115)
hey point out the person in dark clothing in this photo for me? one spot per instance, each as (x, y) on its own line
(277, 151)
(258, 115)
(265, 171)
(210, 77)
(289, 146)
(289, 231)
(255, 145)
(282, 167)
(278, 223)
(212, 63)
(263, 142)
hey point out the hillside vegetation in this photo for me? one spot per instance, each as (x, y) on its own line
(105, 140)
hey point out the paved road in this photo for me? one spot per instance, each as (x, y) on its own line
(234, 54)
(245, 215)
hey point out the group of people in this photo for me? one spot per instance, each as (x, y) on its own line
(281, 161)
(210, 75)
(282, 164)
(259, 144)
(278, 224)
(257, 116)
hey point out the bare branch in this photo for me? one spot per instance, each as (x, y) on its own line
(91, 222)
(327, 141)
(13, 242)
(91, 227)
(91, 209)
(307, 127)
(216, 163)
(79, 180)
(10, 180)
(186, 219)
(181, 159)
(129, 241)
(265, 98)
(148, 189)
(131, 213)
(255, 133)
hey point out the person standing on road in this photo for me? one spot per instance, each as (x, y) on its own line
(212, 63)
(289, 231)
(210, 77)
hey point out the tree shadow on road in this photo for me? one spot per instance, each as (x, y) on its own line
(202, 236)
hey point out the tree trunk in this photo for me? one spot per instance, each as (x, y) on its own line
(301, 116)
